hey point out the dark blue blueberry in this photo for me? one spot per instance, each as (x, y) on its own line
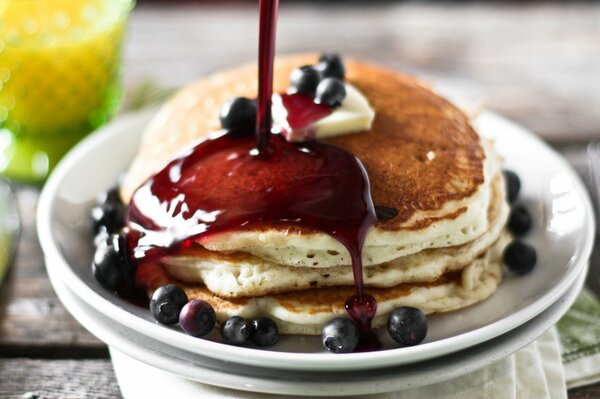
(109, 212)
(340, 335)
(264, 332)
(236, 330)
(111, 196)
(331, 66)
(239, 114)
(519, 258)
(331, 92)
(519, 222)
(106, 266)
(513, 185)
(305, 80)
(197, 318)
(407, 325)
(167, 302)
(385, 212)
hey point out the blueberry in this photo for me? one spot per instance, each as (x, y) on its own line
(236, 330)
(331, 92)
(167, 302)
(385, 213)
(264, 332)
(239, 114)
(197, 318)
(111, 196)
(106, 266)
(519, 258)
(513, 185)
(519, 222)
(305, 80)
(407, 325)
(331, 66)
(109, 212)
(340, 335)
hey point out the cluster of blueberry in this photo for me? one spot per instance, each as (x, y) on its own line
(170, 305)
(519, 257)
(111, 265)
(323, 82)
(406, 325)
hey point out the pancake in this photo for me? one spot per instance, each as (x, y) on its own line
(305, 312)
(421, 155)
(440, 253)
(239, 274)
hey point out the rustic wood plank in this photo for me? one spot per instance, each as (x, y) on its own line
(54, 379)
(33, 322)
(536, 63)
(589, 392)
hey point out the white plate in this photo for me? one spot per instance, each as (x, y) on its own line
(563, 235)
(257, 379)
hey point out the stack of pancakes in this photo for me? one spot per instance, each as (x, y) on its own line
(441, 252)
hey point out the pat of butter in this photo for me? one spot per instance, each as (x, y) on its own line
(354, 115)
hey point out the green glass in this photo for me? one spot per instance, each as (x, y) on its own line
(60, 63)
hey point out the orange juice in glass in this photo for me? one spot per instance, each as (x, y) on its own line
(59, 78)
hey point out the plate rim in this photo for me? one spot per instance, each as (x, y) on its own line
(296, 361)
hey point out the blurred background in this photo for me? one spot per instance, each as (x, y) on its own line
(536, 62)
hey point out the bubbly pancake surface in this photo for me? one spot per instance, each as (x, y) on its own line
(421, 155)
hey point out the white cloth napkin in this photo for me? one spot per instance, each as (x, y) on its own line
(536, 371)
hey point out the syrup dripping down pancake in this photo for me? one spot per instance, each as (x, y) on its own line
(239, 274)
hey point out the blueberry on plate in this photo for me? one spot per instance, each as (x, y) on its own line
(407, 325)
(167, 302)
(264, 332)
(340, 335)
(106, 265)
(239, 114)
(110, 196)
(331, 66)
(519, 222)
(197, 318)
(330, 92)
(305, 80)
(519, 258)
(236, 330)
(109, 212)
(513, 185)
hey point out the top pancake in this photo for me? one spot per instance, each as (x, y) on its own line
(410, 123)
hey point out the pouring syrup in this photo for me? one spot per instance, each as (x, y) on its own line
(231, 182)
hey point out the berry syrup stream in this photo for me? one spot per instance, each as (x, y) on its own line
(233, 181)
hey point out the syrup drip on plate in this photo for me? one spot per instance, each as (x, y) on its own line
(232, 182)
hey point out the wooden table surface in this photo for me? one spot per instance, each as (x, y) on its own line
(538, 64)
